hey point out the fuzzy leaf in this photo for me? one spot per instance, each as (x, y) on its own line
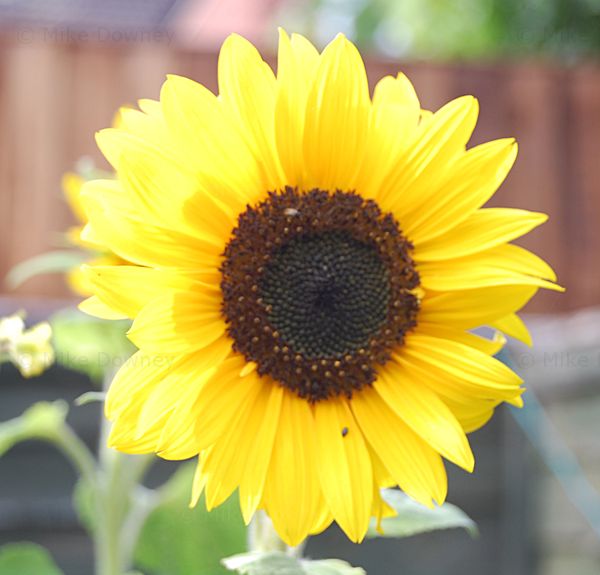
(278, 563)
(90, 397)
(414, 518)
(26, 559)
(258, 563)
(331, 567)
(177, 540)
(90, 345)
(43, 420)
(51, 262)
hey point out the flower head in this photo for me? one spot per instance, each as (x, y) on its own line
(307, 264)
(30, 349)
(99, 254)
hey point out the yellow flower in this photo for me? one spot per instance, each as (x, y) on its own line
(28, 349)
(308, 263)
(72, 184)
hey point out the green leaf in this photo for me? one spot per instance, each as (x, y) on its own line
(415, 518)
(51, 262)
(258, 563)
(278, 563)
(331, 567)
(90, 345)
(26, 559)
(90, 397)
(43, 420)
(177, 540)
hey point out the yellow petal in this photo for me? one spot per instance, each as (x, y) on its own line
(393, 123)
(172, 197)
(247, 89)
(135, 380)
(473, 307)
(228, 460)
(113, 143)
(412, 463)
(127, 289)
(381, 510)
(148, 126)
(411, 182)
(467, 184)
(344, 467)
(181, 437)
(459, 359)
(200, 479)
(222, 397)
(96, 307)
(337, 117)
(482, 230)
(472, 414)
(150, 107)
(454, 369)
(425, 413)
(71, 185)
(179, 322)
(513, 326)
(292, 490)
(502, 265)
(196, 119)
(124, 437)
(116, 225)
(487, 346)
(297, 62)
(262, 436)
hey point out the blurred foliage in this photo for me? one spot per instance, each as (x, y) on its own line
(89, 345)
(28, 349)
(438, 29)
(413, 518)
(177, 540)
(58, 261)
(42, 420)
(278, 563)
(26, 559)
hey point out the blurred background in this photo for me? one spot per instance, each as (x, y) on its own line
(67, 65)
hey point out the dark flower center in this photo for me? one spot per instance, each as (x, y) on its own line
(317, 290)
(328, 294)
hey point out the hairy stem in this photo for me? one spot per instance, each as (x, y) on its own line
(263, 537)
(122, 504)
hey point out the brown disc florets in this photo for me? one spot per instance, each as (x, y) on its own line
(317, 290)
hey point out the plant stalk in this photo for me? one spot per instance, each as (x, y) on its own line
(262, 537)
(122, 503)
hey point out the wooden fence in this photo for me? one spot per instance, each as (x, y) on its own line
(54, 96)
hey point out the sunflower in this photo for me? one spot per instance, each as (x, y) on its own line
(72, 185)
(308, 263)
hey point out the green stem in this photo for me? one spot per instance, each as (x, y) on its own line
(144, 502)
(263, 537)
(123, 504)
(77, 452)
(108, 510)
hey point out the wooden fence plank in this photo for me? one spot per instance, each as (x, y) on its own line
(583, 187)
